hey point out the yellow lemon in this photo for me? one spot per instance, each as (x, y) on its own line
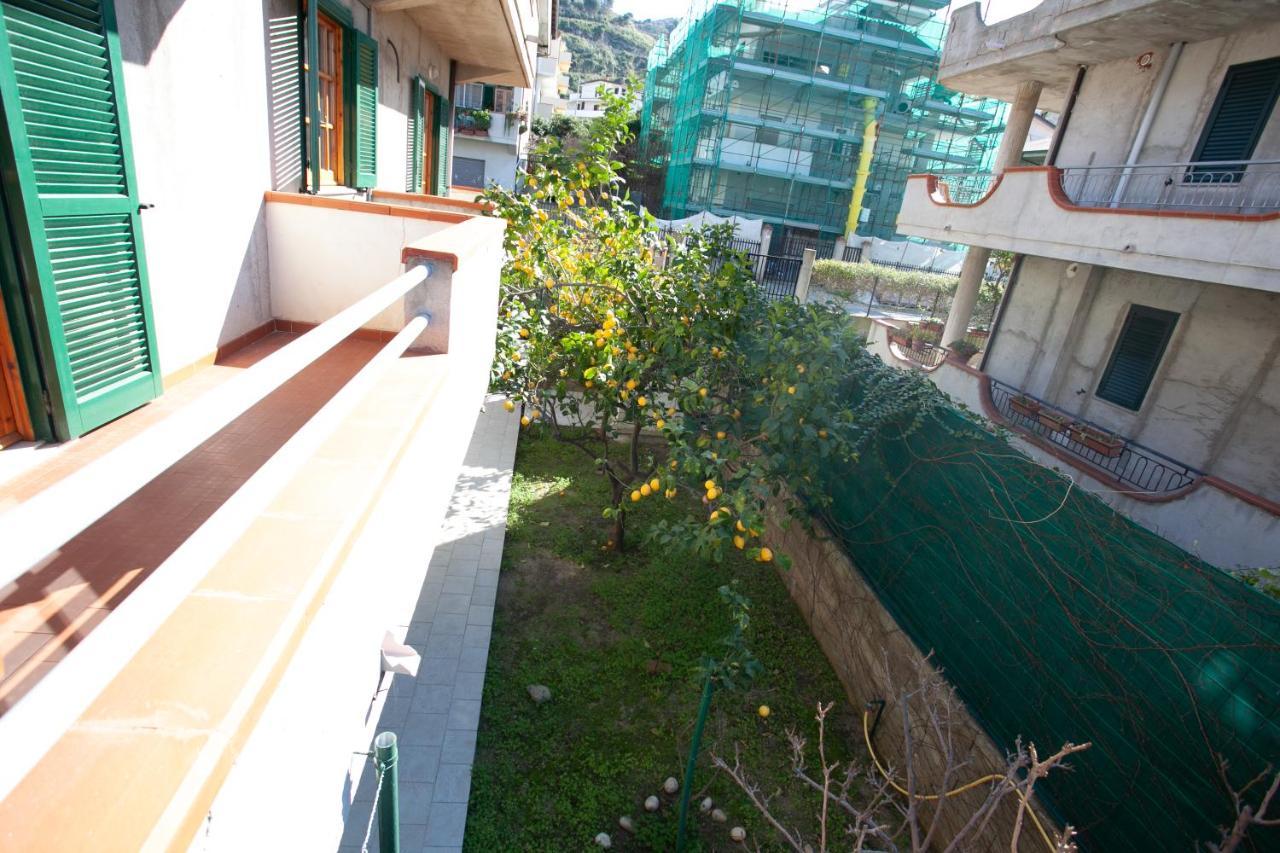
(715, 515)
(739, 542)
(660, 424)
(655, 484)
(509, 406)
(641, 401)
(720, 435)
(709, 485)
(702, 392)
(631, 384)
(740, 527)
(763, 711)
(635, 495)
(765, 555)
(524, 333)
(799, 368)
(536, 414)
(791, 389)
(524, 420)
(822, 433)
(599, 343)
(645, 490)
(674, 465)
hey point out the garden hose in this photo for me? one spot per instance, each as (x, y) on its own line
(992, 777)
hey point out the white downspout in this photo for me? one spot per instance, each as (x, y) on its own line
(1148, 119)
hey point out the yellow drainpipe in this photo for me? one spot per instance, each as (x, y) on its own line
(864, 164)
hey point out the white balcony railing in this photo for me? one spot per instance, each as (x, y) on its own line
(1240, 187)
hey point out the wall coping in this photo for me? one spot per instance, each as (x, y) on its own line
(452, 244)
(427, 198)
(369, 207)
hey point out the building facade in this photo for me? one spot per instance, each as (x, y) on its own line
(491, 134)
(239, 316)
(809, 115)
(1144, 311)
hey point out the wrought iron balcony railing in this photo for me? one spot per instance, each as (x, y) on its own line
(1132, 464)
(966, 188)
(1240, 186)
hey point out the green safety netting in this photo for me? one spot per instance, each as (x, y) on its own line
(1057, 619)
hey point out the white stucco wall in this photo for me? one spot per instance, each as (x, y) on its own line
(196, 91)
(1115, 94)
(499, 160)
(1215, 401)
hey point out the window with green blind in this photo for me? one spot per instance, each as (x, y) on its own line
(359, 113)
(1136, 356)
(417, 130)
(1239, 115)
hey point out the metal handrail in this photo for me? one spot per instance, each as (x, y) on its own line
(967, 187)
(1226, 186)
(1146, 470)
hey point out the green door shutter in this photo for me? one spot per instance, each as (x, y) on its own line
(444, 124)
(366, 112)
(74, 198)
(417, 91)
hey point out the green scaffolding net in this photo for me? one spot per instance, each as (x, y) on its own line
(758, 108)
(1058, 619)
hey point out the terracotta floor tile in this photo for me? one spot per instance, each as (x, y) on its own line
(106, 562)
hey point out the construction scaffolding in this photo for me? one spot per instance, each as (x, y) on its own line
(767, 108)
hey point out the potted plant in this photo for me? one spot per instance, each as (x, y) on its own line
(899, 336)
(922, 338)
(1024, 405)
(1097, 440)
(1053, 421)
(963, 349)
(480, 120)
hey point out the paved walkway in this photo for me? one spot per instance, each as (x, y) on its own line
(435, 716)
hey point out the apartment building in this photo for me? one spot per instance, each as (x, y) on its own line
(1138, 345)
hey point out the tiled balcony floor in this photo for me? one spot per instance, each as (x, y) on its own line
(47, 611)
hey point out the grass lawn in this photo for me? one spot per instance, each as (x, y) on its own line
(618, 638)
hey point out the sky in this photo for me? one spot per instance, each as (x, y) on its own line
(993, 10)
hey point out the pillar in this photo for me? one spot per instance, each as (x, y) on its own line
(806, 272)
(766, 237)
(1009, 154)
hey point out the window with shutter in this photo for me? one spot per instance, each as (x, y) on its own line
(1136, 356)
(365, 101)
(444, 124)
(417, 95)
(1239, 115)
(74, 203)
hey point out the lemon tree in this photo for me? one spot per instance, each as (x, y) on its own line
(664, 362)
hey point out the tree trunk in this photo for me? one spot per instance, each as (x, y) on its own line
(619, 516)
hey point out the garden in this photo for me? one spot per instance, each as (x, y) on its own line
(652, 682)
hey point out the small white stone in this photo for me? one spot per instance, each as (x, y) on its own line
(738, 834)
(625, 823)
(706, 805)
(651, 804)
(604, 840)
(671, 785)
(718, 816)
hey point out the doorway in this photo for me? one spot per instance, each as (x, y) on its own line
(428, 148)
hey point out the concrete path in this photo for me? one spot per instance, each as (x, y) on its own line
(435, 716)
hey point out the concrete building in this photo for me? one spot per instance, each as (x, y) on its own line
(588, 101)
(807, 114)
(1145, 303)
(244, 340)
(491, 134)
(551, 86)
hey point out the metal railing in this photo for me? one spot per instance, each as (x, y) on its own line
(922, 353)
(852, 254)
(1144, 469)
(777, 276)
(1233, 186)
(737, 244)
(968, 188)
(794, 246)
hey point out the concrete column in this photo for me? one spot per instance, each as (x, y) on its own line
(837, 253)
(806, 272)
(766, 237)
(1009, 154)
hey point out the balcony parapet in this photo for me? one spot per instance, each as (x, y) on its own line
(1216, 226)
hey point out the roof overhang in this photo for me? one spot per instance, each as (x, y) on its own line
(1048, 43)
(491, 40)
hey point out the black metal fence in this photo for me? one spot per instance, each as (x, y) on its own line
(793, 246)
(852, 254)
(777, 276)
(751, 247)
(1144, 469)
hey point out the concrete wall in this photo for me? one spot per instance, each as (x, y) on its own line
(196, 90)
(1115, 94)
(1213, 402)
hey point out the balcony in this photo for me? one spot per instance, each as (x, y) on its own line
(502, 128)
(1211, 222)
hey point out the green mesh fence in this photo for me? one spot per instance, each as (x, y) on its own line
(1058, 619)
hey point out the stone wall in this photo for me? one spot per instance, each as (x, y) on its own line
(875, 659)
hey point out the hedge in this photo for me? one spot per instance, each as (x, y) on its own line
(849, 279)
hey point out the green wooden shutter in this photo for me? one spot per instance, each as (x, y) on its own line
(1136, 356)
(417, 92)
(365, 132)
(1244, 104)
(444, 124)
(74, 196)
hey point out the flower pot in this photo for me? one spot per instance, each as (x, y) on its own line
(1025, 406)
(1053, 422)
(1107, 445)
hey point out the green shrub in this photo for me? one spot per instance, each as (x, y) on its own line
(849, 279)
(964, 349)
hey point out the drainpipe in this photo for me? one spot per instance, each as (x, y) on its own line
(1148, 119)
(864, 164)
(1061, 132)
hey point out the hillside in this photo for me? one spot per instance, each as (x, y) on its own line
(604, 44)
